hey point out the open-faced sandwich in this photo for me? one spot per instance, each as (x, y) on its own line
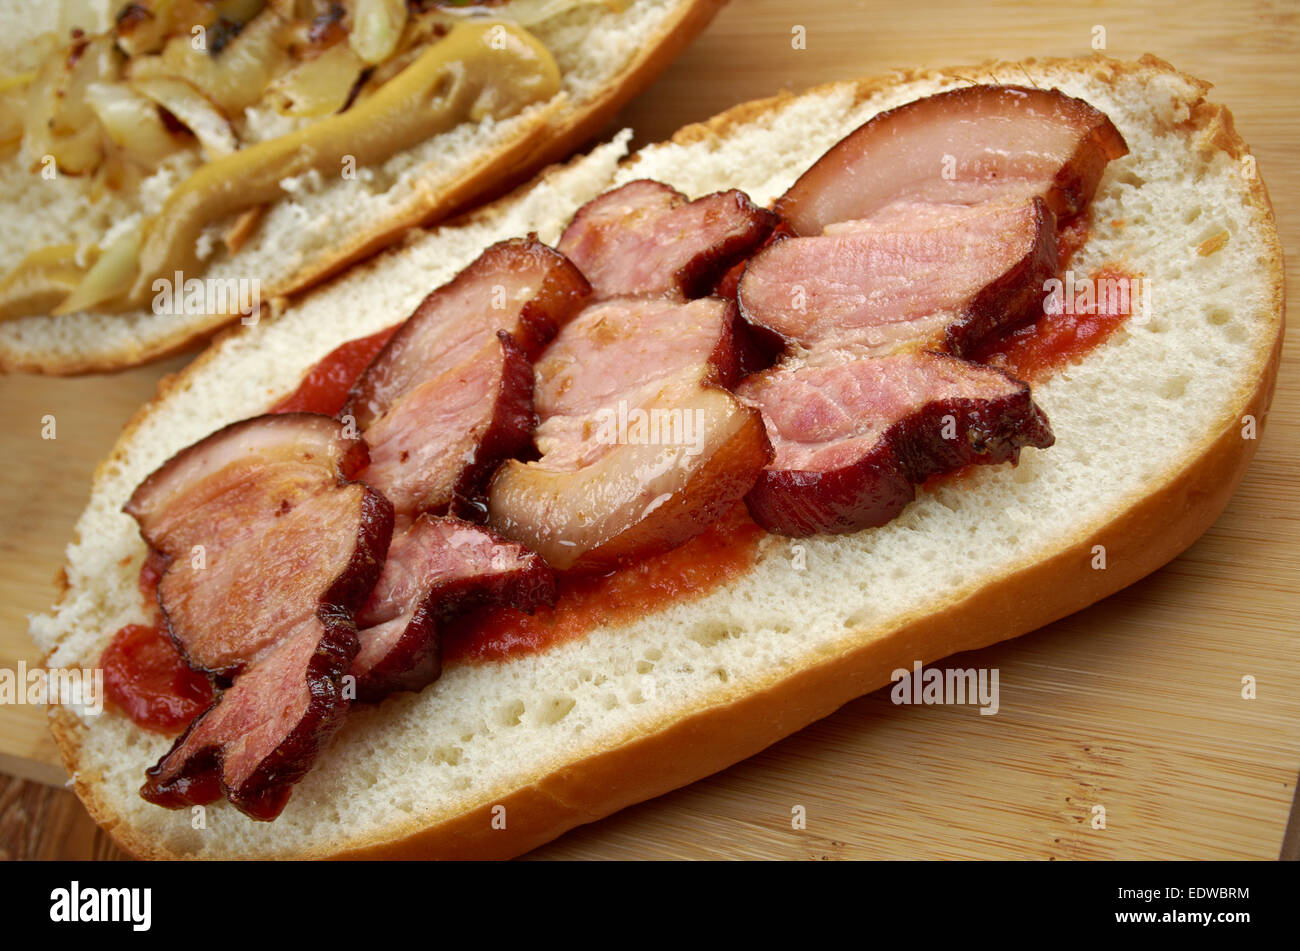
(171, 166)
(660, 458)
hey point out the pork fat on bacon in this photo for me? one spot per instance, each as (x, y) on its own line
(964, 146)
(269, 552)
(645, 239)
(641, 447)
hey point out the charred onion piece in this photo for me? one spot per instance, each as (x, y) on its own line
(854, 434)
(962, 146)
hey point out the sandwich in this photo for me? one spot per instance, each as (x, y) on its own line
(180, 165)
(661, 457)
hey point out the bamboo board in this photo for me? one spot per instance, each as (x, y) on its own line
(1134, 704)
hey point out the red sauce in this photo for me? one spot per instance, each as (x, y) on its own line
(724, 551)
(325, 387)
(1036, 350)
(144, 675)
(146, 679)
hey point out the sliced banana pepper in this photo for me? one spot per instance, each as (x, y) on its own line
(478, 69)
(109, 278)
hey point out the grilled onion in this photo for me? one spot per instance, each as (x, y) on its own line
(58, 120)
(239, 11)
(234, 78)
(142, 28)
(111, 276)
(196, 113)
(132, 123)
(42, 280)
(376, 27)
(320, 86)
(13, 91)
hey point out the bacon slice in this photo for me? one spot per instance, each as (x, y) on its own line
(645, 239)
(440, 438)
(963, 146)
(641, 448)
(265, 732)
(306, 438)
(269, 554)
(445, 400)
(520, 286)
(854, 434)
(435, 570)
(913, 275)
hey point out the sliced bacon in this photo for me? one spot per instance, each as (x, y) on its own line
(306, 438)
(440, 438)
(265, 732)
(932, 226)
(447, 398)
(269, 552)
(435, 570)
(520, 286)
(853, 435)
(641, 448)
(645, 239)
(912, 275)
(963, 146)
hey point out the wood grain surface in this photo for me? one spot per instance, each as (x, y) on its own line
(1133, 704)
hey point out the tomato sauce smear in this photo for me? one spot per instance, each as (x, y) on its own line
(1038, 349)
(325, 387)
(722, 552)
(145, 678)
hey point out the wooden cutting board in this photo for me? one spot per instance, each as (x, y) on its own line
(1133, 705)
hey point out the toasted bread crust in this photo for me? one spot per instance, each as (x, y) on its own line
(1141, 536)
